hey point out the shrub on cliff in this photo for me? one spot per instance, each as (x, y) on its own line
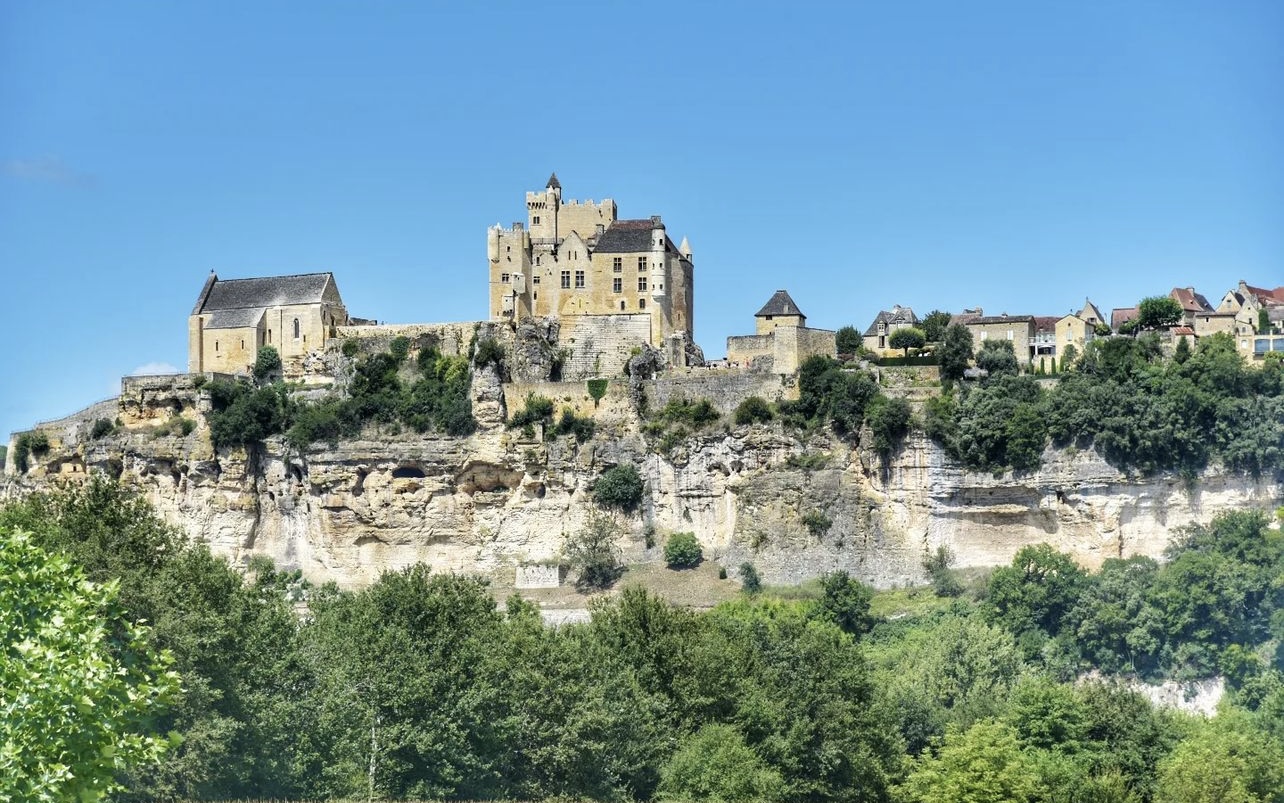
(267, 363)
(682, 551)
(593, 551)
(752, 410)
(619, 488)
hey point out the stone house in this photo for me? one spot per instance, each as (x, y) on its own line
(1018, 329)
(1074, 330)
(1192, 304)
(233, 318)
(885, 322)
(579, 259)
(781, 340)
(1043, 343)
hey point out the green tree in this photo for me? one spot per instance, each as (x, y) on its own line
(847, 340)
(267, 363)
(935, 324)
(889, 422)
(1157, 312)
(955, 352)
(1263, 321)
(983, 764)
(753, 409)
(997, 357)
(715, 764)
(1224, 761)
(1036, 591)
(749, 579)
(619, 488)
(906, 338)
(845, 602)
(682, 551)
(594, 552)
(80, 687)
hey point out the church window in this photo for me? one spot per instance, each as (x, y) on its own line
(617, 264)
(296, 328)
(566, 279)
(641, 263)
(617, 285)
(641, 303)
(641, 283)
(579, 279)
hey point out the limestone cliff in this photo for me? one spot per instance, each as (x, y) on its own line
(499, 499)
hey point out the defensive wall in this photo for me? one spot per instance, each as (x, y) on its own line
(601, 345)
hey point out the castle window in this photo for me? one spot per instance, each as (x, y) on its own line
(621, 305)
(536, 260)
(216, 347)
(535, 279)
(617, 264)
(641, 283)
(641, 303)
(566, 280)
(579, 279)
(535, 296)
(768, 317)
(242, 344)
(535, 220)
(617, 285)
(296, 328)
(503, 277)
(641, 263)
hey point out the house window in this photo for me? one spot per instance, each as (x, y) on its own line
(296, 328)
(641, 303)
(503, 277)
(641, 264)
(566, 280)
(617, 285)
(617, 264)
(579, 279)
(641, 283)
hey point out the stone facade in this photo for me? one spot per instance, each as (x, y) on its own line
(1019, 329)
(234, 318)
(783, 339)
(578, 258)
(885, 322)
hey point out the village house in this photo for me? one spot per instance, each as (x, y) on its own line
(877, 336)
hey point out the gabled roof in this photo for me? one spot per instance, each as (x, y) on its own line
(990, 319)
(1265, 296)
(779, 304)
(268, 291)
(1092, 308)
(896, 315)
(626, 237)
(1045, 323)
(1190, 300)
(246, 318)
(1182, 330)
(1120, 315)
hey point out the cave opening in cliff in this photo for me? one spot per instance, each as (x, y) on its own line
(407, 473)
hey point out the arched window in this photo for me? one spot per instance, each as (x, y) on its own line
(296, 328)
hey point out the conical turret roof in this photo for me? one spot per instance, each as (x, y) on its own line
(780, 304)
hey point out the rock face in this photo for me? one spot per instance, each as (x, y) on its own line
(499, 499)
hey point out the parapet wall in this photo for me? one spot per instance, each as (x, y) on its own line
(724, 388)
(601, 345)
(451, 339)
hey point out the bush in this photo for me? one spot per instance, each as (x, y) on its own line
(489, 352)
(350, 347)
(593, 552)
(753, 409)
(597, 389)
(571, 424)
(399, 348)
(537, 410)
(817, 523)
(620, 488)
(102, 428)
(847, 340)
(27, 444)
(937, 565)
(889, 421)
(715, 763)
(693, 414)
(267, 363)
(682, 551)
(749, 579)
(846, 603)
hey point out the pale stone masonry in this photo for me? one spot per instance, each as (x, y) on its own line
(782, 341)
(575, 258)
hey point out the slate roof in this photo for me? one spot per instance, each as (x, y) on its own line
(268, 291)
(1001, 319)
(1045, 323)
(896, 315)
(779, 304)
(1092, 308)
(248, 317)
(553, 182)
(626, 237)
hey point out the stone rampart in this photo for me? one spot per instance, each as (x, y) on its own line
(600, 345)
(724, 388)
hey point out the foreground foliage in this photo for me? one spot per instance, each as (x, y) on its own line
(421, 686)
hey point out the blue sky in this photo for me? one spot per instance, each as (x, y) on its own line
(1014, 155)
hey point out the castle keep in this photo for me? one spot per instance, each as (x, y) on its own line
(576, 259)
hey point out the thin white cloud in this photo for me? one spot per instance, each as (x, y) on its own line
(49, 170)
(153, 369)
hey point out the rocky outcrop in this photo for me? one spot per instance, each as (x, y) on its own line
(499, 499)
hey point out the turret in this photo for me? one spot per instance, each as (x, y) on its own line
(685, 250)
(656, 260)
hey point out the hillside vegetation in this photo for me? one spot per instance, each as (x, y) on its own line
(421, 686)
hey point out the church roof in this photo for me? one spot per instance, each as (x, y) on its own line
(780, 304)
(246, 318)
(268, 291)
(626, 237)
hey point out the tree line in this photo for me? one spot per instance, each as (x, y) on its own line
(421, 686)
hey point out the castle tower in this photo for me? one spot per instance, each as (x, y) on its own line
(542, 209)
